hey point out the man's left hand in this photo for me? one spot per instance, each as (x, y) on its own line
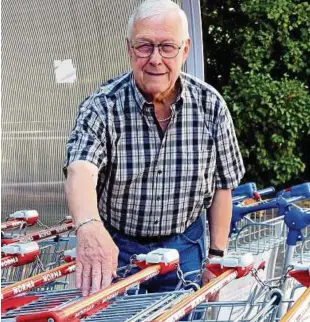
(208, 277)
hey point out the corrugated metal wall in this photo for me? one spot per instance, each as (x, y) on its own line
(38, 112)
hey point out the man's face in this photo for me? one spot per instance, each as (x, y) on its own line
(155, 75)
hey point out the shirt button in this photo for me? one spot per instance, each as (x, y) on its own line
(158, 198)
(159, 171)
(156, 222)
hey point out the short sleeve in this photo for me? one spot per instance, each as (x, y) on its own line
(87, 140)
(229, 163)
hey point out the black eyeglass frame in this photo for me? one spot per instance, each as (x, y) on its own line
(159, 46)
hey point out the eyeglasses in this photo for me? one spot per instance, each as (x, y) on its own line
(146, 49)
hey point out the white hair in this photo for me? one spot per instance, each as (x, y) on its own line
(152, 8)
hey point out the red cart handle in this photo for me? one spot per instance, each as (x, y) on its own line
(21, 219)
(10, 224)
(40, 235)
(242, 263)
(19, 254)
(301, 273)
(37, 280)
(168, 259)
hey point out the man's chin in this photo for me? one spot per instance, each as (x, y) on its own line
(155, 90)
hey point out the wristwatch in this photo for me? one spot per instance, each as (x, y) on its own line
(216, 252)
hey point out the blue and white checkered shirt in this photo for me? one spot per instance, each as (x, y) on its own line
(154, 183)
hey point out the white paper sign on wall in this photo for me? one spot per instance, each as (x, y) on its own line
(65, 72)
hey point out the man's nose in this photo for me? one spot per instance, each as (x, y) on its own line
(155, 58)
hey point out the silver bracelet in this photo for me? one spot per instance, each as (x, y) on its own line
(86, 222)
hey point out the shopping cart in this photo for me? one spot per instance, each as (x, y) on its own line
(69, 305)
(272, 297)
(160, 261)
(173, 305)
(20, 261)
(132, 308)
(263, 236)
(260, 234)
(281, 203)
(263, 303)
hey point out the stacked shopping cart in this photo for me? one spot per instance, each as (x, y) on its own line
(260, 230)
(27, 254)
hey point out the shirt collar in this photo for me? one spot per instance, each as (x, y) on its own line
(136, 93)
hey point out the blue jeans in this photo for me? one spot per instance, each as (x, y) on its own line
(190, 245)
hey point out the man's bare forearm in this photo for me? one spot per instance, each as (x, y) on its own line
(80, 188)
(96, 256)
(219, 217)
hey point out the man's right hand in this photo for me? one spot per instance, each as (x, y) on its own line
(96, 259)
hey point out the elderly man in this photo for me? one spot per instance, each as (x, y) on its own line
(148, 151)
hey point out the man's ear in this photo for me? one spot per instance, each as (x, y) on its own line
(186, 49)
(128, 47)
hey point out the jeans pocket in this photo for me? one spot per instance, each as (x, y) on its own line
(191, 248)
(194, 233)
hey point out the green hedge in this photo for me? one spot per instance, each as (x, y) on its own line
(257, 53)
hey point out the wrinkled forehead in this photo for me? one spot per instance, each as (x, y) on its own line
(159, 28)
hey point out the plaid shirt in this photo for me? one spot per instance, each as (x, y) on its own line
(154, 183)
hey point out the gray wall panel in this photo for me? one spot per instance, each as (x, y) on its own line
(38, 113)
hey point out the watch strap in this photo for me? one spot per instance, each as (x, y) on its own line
(216, 252)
